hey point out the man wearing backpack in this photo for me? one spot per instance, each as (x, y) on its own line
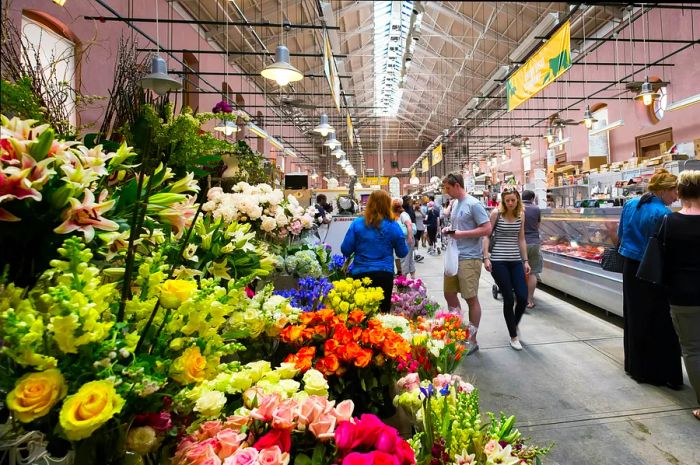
(431, 223)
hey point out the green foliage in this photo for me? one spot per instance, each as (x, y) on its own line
(18, 100)
(251, 166)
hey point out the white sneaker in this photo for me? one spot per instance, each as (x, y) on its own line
(516, 345)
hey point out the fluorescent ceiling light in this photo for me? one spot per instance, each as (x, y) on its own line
(290, 153)
(275, 143)
(540, 29)
(609, 127)
(686, 102)
(559, 142)
(258, 131)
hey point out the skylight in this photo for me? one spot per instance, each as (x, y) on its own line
(391, 25)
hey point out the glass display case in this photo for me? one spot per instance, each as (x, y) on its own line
(573, 240)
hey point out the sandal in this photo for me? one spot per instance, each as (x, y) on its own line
(531, 305)
(696, 414)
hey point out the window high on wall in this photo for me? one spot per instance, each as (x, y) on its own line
(191, 81)
(55, 55)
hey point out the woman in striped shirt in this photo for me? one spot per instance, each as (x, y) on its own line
(505, 257)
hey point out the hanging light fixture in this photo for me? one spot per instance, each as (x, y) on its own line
(281, 71)
(331, 142)
(647, 94)
(550, 135)
(338, 152)
(227, 127)
(59, 2)
(588, 119)
(314, 174)
(159, 81)
(323, 127)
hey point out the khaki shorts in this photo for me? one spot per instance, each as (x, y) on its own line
(466, 281)
(534, 256)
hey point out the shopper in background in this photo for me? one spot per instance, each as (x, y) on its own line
(408, 265)
(323, 209)
(432, 220)
(682, 274)
(374, 239)
(507, 261)
(408, 208)
(424, 237)
(469, 222)
(420, 223)
(652, 352)
(533, 217)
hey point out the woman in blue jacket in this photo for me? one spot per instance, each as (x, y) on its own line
(652, 351)
(374, 239)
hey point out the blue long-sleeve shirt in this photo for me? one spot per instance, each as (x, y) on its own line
(374, 247)
(637, 224)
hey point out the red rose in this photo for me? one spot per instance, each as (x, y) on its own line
(345, 435)
(404, 453)
(387, 440)
(356, 458)
(368, 429)
(158, 421)
(382, 458)
(281, 438)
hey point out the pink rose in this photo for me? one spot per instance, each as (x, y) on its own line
(243, 456)
(275, 437)
(343, 411)
(283, 416)
(441, 381)
(267, 405)
(386, 441)
(296, 227)
(409, 383)
(209, 429)
(404, 452)
(273, 456)
(230, 440)
(236, 422)
(345, 435)
(310, 409)
(203, 452)
(324, 427)
(382, 458)
(367, 429)
(357, 458)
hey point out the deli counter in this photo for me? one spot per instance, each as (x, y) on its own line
(573, 240)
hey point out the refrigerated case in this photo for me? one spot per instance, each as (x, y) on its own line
(573, 240)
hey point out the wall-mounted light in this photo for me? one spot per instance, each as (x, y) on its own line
(686, 102)
(608, 127)
(275, 143)
(559, 142)
(290, 153)
(281, 71)
(258, 131)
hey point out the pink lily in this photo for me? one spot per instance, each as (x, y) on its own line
(7, 216)
(86, 216)
(15, 184)
(179, 215)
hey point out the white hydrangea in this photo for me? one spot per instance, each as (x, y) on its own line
(268, 224)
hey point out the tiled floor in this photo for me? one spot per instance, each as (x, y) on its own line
(568, 387)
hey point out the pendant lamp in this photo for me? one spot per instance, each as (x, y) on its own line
(314, 174)
(647, 94)
(281, 71)
(331, 142)
(338, 152)
(323, 127)
(550, 135)
(588, 119)
(227, 127)
(159, 81)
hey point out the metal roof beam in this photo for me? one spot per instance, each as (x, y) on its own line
(472, 22)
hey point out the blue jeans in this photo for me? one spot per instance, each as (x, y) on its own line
(510, 276)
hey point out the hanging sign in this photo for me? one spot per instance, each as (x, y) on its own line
(375, 181)
(331, 70)
(351, 133)
(413, 173)
(549, 62)
(437, 154)
(425, 165)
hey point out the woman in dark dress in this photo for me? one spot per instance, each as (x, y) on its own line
(682, 274)
(652, 352)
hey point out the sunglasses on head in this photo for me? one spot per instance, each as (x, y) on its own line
(510, 190)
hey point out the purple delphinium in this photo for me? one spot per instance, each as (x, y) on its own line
(309, 294)
(222, 107)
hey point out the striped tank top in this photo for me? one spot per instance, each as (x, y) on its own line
(506, 247)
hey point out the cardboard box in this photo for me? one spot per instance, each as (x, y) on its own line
(665, 146)
(593, 162)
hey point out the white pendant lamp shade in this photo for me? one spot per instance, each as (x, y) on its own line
(332, 142)
(323, 127)
(550, 135)
(338, 152)
(314, 174)
(227, 127)
(588, 119)
(281, 71)
(159, 81)
(647, 94)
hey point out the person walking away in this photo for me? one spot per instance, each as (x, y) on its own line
(652, 351)
(374, 239)
(420, 223)
(682, 274)
(424, 237)
(507, 261)
(408, 265)
(408, 208)
(431, 224)
(533, 218)
(469, 223)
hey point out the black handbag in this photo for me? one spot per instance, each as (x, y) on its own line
(612, 260)
(492, 237)
(651, 268)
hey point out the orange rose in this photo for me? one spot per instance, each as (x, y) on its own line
(363, 358)
(328, 365)
(321, 330)
(307, 318)
(342, 334)
(356, 316)
(356, 333)
(376, 336)
(352, 350)
(330, 346)
(291, 333)
(326, 315)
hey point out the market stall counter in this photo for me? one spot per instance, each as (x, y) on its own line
(573, 240)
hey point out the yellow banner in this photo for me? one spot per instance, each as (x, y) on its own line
(413, 173)
(350, 131)
(437, 154)
(331, 70)
(375, 181)
(549, 62)
(425, 165)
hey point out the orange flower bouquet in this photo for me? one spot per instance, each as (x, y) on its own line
(358, 356)
(438, 343)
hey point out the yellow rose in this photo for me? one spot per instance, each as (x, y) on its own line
(175, 291)
(89, 408)
(190, 367)
(35, 394)
(314, 383)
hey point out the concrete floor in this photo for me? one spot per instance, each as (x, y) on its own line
(568, 386)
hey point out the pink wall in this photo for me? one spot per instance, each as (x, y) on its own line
(684, 82)
(100, 42)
